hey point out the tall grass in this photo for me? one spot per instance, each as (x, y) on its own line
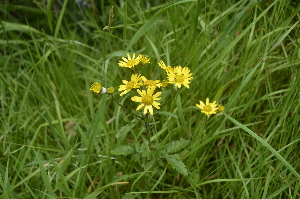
(57, 136)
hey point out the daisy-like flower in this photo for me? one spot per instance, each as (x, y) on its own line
(144, 59)
(151, 83)
(208, 108)
(148, 100)
(180, 76)
(97, 88)
(128, 85)
(168, 69)
(130, 62)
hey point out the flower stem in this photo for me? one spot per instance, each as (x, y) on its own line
(176, 91)
(147, 124)
(126, 108)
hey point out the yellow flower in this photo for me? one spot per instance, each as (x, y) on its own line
(96, 87)
(168, 69)
(147, 99)
(180, 76)
(151, 83)
(134, 83)
(130, 62)
(164, 83)
(110, 90)
(208, 108)
(144, 59)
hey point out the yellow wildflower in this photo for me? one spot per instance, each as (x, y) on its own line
(96, 87)
(164, 83)
(110, 90)
(128, 85)
(208, 108)
(148, 100)
(180, 76)
(130, 62)
(144, 59)
(162, 64)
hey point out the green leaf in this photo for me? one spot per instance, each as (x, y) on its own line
(219, 93)
(177, 164)
(181, 116)
(141, 32)
(45, 178)
(125, 129)
(122, 150)
(138, 148)
(97, 192)
(265, 143)
(145, 148)
(167, 114)
(175, 146)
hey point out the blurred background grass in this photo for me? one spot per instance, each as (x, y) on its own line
(56, 135)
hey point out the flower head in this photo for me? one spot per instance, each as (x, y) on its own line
(110, 90)
(144, 59)
(130, 62)
(128, 85)
(148, 100)
(97, 87)
(180, 76)
(168, 69)
(164, 83)
(151, 83)
(208, 108)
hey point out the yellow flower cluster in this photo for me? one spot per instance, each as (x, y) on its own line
(146, 88)
(148, 98)
(210, 108)
(177, 75)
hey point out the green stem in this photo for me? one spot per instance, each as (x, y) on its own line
(125, 108)
(148, 129)
(176, 91)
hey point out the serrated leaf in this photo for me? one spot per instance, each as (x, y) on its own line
(177, 164)
(125, 129)
(175, 146)
(145, 148)
(122, 150)
(138, 148)
(167, 114)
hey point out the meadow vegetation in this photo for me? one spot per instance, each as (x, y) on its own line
(59, 139)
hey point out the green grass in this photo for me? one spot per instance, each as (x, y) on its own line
(58, 138)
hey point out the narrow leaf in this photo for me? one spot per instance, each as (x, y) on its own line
(265, 143)
(219, 93)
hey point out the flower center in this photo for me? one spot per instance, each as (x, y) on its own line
(147, 99)
(179, 78)
(129, 85)
(131, 62)
(97, 88)
(207, 108)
